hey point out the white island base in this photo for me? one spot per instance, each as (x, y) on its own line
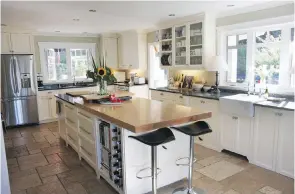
(82, 131)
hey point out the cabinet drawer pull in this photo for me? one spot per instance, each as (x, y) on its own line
(202, 101)
(69, 107)
(180, 96)
(85, 151)
(49, 92)
(84, 115)
(70, 120)
(84, 130)
(161, 94)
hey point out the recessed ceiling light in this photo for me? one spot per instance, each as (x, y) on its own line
(92, 10)
(57, 31)
(171, 15)
(230, 5)
(3, 25)
(76, 19)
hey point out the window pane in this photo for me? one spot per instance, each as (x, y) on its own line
(80, 63)
(242, 39)
(232, 40)
(56, 64)
(261, 37)
(267, 65)
(268, 36)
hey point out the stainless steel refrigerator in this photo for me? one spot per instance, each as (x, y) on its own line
(18, 90)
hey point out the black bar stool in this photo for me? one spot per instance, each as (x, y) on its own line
(153, 139)
(194, 129)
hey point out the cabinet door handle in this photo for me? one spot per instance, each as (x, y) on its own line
(84, 130)
(84, 115)
(203, 102)
(280, 114)
(161, 94)
(49, 92)
(180, 96)
(85, 151)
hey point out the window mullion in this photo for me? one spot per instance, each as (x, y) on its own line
(250, 61)
(284, 76)
(69, 66)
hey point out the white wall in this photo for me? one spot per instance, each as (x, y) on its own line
(5, 187)
(273, 12)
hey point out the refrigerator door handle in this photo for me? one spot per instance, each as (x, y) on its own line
(13, 74)
(17, 74)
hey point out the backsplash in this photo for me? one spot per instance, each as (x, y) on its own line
(200, 75)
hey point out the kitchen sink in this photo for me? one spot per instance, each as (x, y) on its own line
(239, 104)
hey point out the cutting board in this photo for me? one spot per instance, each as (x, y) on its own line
(89, 97)
(78, 93)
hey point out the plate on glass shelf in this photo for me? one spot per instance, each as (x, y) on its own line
(170, 59)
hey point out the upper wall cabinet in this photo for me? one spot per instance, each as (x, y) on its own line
(16, 43)
(181, 45)
(109, 46)
(132, 50)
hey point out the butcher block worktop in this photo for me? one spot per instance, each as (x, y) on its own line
(139, 114)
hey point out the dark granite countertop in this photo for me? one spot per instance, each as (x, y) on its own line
(56, 87)
(285, 105)
(200, 94)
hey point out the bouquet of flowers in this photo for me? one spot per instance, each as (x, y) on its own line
(101, 75)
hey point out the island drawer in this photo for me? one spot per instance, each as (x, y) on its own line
(87, 149)
(86, 128)
(72, 136)
(70, 114)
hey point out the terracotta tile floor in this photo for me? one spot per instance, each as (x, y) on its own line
(40, 163)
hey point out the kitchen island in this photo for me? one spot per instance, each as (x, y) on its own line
(99, 134)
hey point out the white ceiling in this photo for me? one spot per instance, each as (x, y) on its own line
(111, 16)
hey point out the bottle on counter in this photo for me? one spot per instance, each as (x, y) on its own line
(266, 93)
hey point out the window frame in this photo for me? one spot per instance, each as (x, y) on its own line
(68, 46)
(284, 81)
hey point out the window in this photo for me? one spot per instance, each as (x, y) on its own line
(236, 58)
(292, 60)
(260, 55)
(64, 62)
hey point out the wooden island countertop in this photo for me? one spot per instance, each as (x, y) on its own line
(141, 115)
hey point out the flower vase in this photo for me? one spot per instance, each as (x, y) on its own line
(102, 87)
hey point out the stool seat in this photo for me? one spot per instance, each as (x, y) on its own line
(155, 138)
(195, 129)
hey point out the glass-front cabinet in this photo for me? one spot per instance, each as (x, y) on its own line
(182, 45)
(165, 39)
(195, 44)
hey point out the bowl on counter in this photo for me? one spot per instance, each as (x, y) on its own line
(197, 87)
(206, 88)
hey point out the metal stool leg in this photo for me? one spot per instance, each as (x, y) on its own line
(190, 189)
(154, 169)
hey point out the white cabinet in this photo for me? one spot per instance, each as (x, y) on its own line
(285, 158)
(44, 107)
(168, 97)
(274, 140)
(47, 105)
(236, 134)
(110, 51)
(5, 43)
(210, 140)
(264, 137)
(132, 50)
(17, 43)
(140, 91)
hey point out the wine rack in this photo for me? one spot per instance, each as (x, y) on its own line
(111, 152)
